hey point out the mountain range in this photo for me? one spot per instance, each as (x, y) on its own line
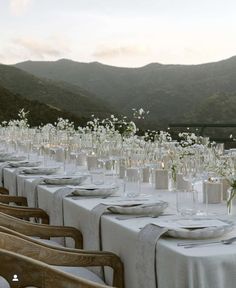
(172, 93)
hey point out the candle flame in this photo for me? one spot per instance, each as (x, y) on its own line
(162, 165)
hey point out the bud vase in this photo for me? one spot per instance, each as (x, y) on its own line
(231, 201)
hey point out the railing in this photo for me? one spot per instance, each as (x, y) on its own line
(215, 134)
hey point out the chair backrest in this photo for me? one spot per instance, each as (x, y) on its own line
(43, 231)
(61, 257)
(18, 200)
(22, 271)
(24, 212)
(4, 191)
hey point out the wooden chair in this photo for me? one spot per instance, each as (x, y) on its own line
(42, 231)
(63, 257)
(18, 200)
(25, 212)
(6, 198)
(4, 190)
(30, 272)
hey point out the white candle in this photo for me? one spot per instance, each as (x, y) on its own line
(181, 184)
(60, 155)
(122, 168)
(92, 161)
(81, 159)
(212, 192)
(161, 179)
(146, 174)
(132, 174)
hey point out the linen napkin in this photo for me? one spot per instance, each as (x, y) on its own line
(146, 255)
(94, 242)
(32, 192)
(12, 182)
(56, 212)
(2, 166)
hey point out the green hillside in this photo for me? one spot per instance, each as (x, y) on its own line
(39, 113)
(58, 95)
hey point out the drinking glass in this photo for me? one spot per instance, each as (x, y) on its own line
(132, 182)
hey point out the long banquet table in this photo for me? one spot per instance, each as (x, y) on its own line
(175, 267)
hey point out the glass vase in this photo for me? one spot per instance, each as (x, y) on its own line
(231, 201)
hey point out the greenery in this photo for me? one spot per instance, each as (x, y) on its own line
(39, 113)
(56, 94)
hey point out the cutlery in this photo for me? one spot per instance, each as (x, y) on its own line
(81, 197)
(134, 217)
(196, 244)
(125, 217)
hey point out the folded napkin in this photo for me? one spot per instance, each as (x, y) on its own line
(10, 180)
(32, 192)
(2, 166)
(146, 255)
(56, 212)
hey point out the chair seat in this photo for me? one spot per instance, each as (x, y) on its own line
(81, 272)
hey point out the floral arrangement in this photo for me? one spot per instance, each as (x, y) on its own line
(139, 113)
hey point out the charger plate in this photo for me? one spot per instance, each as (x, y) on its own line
(70, 180)
(40, 170)
(149, 209)
(12, 158)
(94, 190)
(24, 164)
(215, 228)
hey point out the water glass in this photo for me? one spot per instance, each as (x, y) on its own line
(186, 201)
(97, 176)
(132, 182)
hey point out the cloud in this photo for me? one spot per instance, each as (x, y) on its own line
(54, 46)
(113, 52)
(18, 7)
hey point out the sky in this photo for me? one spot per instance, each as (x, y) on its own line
(126, 33)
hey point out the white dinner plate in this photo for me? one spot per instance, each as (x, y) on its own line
(70, 180)
(41, 170)
(149, 209)
(12, 158)
(24, 164)
(94, 190)
(216, 228)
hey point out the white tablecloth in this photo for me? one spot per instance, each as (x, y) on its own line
(176, 267)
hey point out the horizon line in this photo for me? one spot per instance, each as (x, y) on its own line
(133, 67)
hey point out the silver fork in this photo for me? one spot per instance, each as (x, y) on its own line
(196, 244)
(127, 217)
